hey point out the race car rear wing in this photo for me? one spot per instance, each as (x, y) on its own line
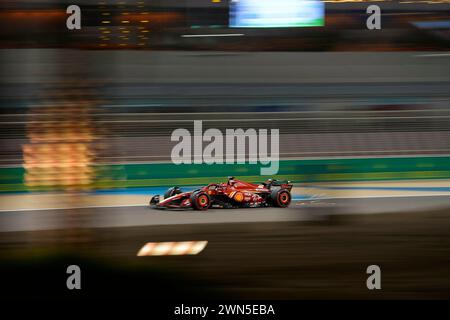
(283, 184)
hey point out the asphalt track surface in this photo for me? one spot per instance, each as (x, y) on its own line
(255, 260)
(128, 216)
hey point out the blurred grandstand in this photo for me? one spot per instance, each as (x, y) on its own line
(119, 107)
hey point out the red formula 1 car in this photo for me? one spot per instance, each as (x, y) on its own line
(232, 194)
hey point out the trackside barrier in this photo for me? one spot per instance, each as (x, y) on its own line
(109, 176)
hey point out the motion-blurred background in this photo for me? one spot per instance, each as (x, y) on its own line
(86, 118)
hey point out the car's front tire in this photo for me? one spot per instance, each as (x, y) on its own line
(200, 200)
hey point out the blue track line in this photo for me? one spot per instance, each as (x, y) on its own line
(420, 189)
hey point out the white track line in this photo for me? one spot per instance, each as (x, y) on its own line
(432, 55)
(212, 35)
(72, 208)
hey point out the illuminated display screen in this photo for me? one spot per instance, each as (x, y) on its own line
(276, 13)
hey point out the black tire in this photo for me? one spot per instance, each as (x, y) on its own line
(171, 192)
(154, 200)
(200, 200)
(281, 198)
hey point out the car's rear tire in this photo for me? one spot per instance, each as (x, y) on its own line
(171, 192)
(200, 200)
(281, 198)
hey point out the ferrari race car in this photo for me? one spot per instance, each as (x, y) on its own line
(232, 194)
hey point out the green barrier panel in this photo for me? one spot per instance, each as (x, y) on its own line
(11, 175)
(165, 174)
